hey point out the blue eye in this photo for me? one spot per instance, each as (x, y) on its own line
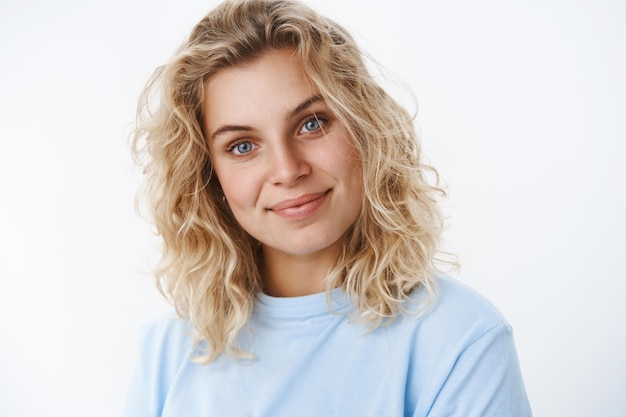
(244, 147)
(311, 125)
(241, 148)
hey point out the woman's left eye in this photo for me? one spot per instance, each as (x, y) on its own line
(311, 125)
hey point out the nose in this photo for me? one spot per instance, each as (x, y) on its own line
(287, 164)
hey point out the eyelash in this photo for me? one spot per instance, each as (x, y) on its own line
(321, 119)
(318, 118)
(233, 145)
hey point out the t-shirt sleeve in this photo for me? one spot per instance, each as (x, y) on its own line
(164, 347)
(485, 380)
(139, 399)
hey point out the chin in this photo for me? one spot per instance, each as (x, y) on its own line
(307, 247)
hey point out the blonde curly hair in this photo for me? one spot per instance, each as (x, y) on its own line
(209, 268)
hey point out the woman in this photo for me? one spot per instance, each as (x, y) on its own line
(299, 235)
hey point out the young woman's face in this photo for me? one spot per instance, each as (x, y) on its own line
(285, 163)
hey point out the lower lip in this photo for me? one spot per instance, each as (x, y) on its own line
(303, 211)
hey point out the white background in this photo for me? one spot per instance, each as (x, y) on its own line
(522, 109)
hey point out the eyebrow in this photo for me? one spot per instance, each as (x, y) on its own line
(230, 128)
(298, 109)
(305, 105)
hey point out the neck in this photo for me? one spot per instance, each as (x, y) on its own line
(287, 275)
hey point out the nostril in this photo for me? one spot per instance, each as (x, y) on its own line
(287, 167)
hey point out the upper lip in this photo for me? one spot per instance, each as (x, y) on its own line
(298, 201)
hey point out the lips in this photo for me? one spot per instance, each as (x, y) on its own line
(301, 207)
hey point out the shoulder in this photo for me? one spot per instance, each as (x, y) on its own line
(463, 358)
(166, 345)
(166, 329)
(167, 342)
(455, 300)
(456, 318)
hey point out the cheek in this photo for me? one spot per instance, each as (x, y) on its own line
(344, 161)
(240, 189)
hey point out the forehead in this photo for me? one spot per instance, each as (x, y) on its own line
(276, 78)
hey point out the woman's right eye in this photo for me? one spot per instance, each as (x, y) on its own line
(241, 148)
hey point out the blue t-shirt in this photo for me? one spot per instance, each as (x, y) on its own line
(457, 359)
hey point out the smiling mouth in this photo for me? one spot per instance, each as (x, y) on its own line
(301, 207)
